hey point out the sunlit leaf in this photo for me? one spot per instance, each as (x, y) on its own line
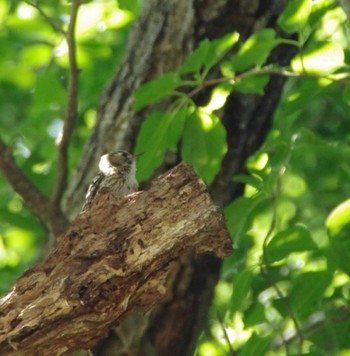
(204, 144)
(339, 218)
(295, 239)
(156, 90)
(4, 8)
(240, 214)
(160, 132)
(220, 47)
(208, 53)
(338, 226)
(22, 242)
(256, 345)
(252, 180)
(17, 74)
(196, 59)
(331, 22)
(320, 58)
(255, 50)
(295, 15)
(37, 55)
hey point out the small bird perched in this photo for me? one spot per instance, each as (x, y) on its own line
(117, 174)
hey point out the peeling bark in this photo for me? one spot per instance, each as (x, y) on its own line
(114, 259)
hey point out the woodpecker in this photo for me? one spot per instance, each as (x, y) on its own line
(117, 174)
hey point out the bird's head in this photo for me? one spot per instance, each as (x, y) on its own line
(117, 161)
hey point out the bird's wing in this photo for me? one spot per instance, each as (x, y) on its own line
(92, 191)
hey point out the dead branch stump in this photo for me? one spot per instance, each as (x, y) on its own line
(113, 260)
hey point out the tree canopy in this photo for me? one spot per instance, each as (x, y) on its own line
(285, 289)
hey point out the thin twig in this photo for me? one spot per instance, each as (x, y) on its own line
(71, 109)
(221, 320)
(265, 267)
(251, 73)
(48, 19)
(311, 327)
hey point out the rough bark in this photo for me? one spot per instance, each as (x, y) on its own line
(114, 259)
(160, 41)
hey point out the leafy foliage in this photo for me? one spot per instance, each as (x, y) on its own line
(287, 267)
(287, 284)
(33, 94)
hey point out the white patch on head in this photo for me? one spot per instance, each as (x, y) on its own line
(110, 165)
(105, 166)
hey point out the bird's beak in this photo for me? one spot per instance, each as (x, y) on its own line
(135, 157)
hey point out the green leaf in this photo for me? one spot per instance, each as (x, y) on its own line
(254, 84)
(240, 213)
(43, 98)
(295, 15)
(340, 246)
(133, 6)
(346, 94)
(320, 58)
(339, 218)
(208, 53)
(254, 315)
(197, 58)
(295, 239)
(308, 291)
(159, 132)
(204, 144)
(241, 288)
(219, 48)
(252, 180)
(338, 226)
(255, 50)
(335, 336)
(156, 90)
(256, 345)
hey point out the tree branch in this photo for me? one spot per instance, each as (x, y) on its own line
(71, 110)
(33, 198)
(282, 72)
(56, 27)
(114, 259)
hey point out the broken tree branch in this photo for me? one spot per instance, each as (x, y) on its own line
(114, 259)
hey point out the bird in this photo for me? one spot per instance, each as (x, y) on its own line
(117, 173)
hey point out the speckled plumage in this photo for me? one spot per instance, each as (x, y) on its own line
(117, 173)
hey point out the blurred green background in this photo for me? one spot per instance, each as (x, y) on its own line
(298, 182)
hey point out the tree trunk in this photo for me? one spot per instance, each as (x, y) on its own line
(165, 33)
(113, 260)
